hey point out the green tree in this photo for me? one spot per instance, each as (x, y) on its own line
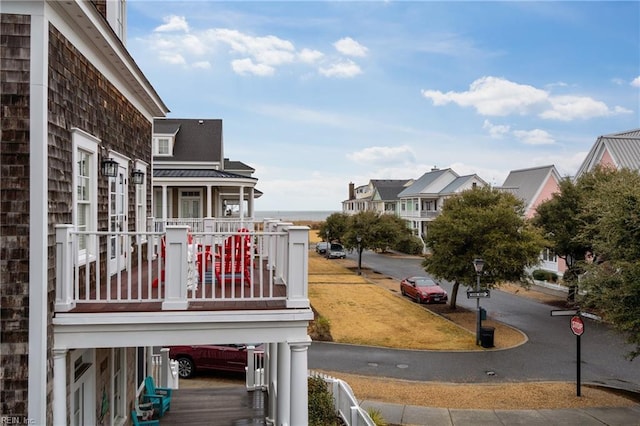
(486, 223)
(611, 223)
(560, 221)
(334, 227)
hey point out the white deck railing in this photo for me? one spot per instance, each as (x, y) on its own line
(345, 402)
(187, 266)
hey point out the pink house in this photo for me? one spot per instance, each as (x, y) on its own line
(618, 150)
(534, 186)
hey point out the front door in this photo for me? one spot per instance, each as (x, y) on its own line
(118, 207)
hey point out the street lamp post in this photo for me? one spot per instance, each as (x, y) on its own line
(328, 245)
(359, 240)
(478, 264)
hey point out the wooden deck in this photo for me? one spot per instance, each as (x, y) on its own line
(216, 406)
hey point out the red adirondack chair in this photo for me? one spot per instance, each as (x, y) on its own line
(234, 260)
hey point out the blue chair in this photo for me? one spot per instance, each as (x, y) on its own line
(160, 397)
(136, 422)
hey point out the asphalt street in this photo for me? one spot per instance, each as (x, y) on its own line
(548, 354)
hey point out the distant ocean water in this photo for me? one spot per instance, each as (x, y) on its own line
(292, 215)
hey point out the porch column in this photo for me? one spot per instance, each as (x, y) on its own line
(60, 387)
(283, 409)
(209, 202)
(250, 201)
(164, 205)
(241, 202)
(299, 384)
(272, 383)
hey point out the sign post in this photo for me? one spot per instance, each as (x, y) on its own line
(577, 326)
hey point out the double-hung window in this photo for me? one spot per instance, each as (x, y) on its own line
(85, 194)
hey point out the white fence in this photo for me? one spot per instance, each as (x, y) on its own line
(345, 402)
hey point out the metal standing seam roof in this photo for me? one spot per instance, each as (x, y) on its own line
(197, 173)
(418, 187)
(624, 148)
(454, 186)
(526, 183)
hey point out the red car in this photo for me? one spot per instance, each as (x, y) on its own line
(423, 290)
(211, 357)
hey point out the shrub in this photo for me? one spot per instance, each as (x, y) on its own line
(377, 418)
(320, 329)
(321, 410)
(409, 245)
(542, 275)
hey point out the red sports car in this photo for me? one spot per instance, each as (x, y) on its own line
(423, 290)
(210, 357)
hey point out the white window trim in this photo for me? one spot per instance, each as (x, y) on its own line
(82, 140)
(88, 377)
(141, 201)
(156, 146)
(123, 389)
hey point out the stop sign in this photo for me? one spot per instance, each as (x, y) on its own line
(577, 326)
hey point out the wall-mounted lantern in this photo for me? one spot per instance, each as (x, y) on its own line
(109, 167)
(137, 177)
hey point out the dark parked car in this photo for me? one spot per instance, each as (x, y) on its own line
(423, 290)
(210, 357)
(336, 251)
(321, 247)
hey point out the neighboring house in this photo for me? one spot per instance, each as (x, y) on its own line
(80, 311)
(534, 186)
(379, 195)
(191, 176)
(618, 150)
(422, 201)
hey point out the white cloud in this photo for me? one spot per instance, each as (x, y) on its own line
(247, 66)
(310, 56)
(492, 96)
(173, 23)
(495, 96)
(636, 82)
(174, 59)
(567, 108)
(383, 155)
(349, 47)
(204, 65)
(496, 131)
(344, 69)
(534, 137)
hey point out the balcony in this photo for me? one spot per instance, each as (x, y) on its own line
(180, 267)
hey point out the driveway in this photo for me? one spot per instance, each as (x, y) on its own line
(549, 354)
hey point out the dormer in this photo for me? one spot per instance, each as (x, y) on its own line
(163, 145)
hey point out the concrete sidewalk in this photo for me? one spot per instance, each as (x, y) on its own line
(397, 414)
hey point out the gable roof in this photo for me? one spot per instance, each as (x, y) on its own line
(623, 147)
(459, 183)
(422, 185)
(195, 139)
(388, 189)
(527, 184)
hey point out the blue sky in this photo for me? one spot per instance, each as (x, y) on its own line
(315, 95)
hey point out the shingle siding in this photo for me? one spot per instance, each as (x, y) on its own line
(78, 96)
(14, 212)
